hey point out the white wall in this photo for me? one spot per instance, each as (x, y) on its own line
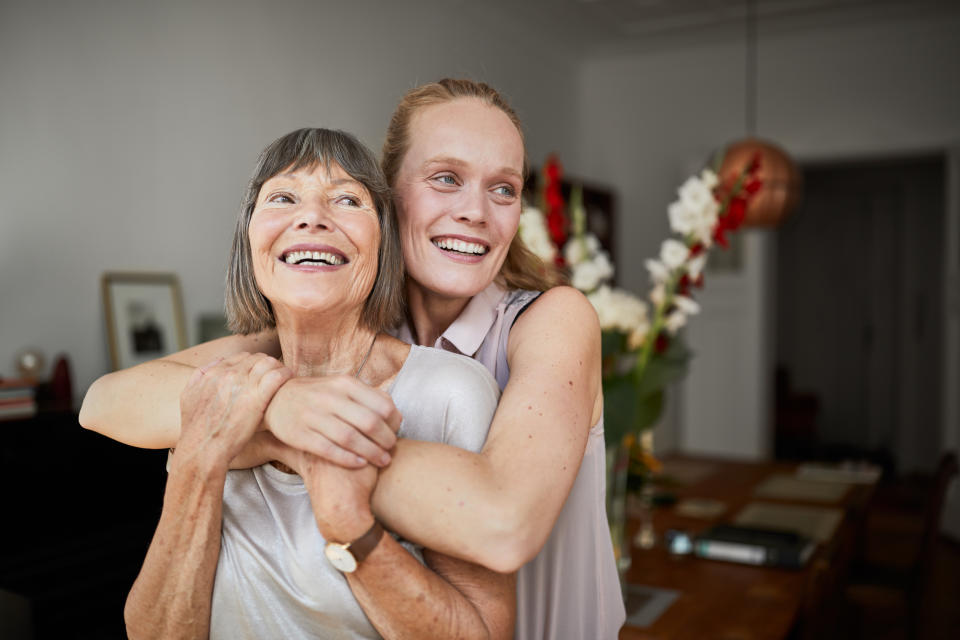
(648, 119)
(128, 129)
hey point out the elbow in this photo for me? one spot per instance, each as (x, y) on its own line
(87, 417)
(90, 417)
(514, 542)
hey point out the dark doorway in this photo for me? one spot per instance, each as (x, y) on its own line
(860, 312)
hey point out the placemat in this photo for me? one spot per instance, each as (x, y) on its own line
(816, 523)
(790, 487)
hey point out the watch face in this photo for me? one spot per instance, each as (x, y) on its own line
(340, 557)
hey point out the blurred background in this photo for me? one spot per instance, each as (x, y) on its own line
(128, 130)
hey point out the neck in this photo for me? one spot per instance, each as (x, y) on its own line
(313, 344)
(430, 314)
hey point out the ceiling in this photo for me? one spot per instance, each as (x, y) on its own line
(598, 25)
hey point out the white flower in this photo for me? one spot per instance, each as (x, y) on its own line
(579, 249)
(588, 275)
(658, 295)
(683, 219)
(673, 253)
(658, 272)
(695, 194)
(709, 179)
(695, 266)
(620, 310)
(675, 321)
(534, 234)
(687, 305)
(638, 336)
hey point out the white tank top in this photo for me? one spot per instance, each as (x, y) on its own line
(273, 580)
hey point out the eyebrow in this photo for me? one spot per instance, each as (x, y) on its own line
(457, 162)
(336, 183)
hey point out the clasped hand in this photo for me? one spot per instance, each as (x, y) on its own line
(249, 409)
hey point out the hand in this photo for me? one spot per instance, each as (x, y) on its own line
(337, 418)
(340, 497)
(224, 402)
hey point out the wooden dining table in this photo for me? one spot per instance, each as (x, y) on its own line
(724, 600)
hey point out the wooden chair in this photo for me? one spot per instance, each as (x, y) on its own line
(894, 593)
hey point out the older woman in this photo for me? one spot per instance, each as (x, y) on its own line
(533, 498)
(291, 550)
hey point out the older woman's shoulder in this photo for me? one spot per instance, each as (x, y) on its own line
(436, 366)
(445, 397)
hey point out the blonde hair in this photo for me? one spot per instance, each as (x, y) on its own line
(521, 269)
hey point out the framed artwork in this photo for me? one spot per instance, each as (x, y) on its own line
(144, 315)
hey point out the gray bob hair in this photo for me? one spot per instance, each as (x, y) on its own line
(248, 311)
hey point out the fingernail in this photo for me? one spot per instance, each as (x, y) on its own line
(361, 460)
(385, 459)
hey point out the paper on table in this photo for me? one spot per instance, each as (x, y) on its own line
(790, 487)
(816, 523)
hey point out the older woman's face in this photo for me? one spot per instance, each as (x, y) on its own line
(314, 236)
(458, 196)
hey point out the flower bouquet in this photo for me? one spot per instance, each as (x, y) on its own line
(642, 348)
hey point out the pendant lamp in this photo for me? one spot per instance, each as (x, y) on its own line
(779, 175)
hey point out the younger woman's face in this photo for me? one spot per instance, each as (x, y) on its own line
(458, 196)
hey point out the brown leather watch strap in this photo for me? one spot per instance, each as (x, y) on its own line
(365, 544)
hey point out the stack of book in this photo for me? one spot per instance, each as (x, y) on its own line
(18, 398)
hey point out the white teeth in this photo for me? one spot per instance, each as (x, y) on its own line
(452, 244)
(311, 257)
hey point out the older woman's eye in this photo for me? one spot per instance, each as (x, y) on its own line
(350, 201)
(280, 198)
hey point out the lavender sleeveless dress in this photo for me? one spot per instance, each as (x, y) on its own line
(570, 590)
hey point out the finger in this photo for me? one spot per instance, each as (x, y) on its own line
(346, 436)
(261, 364)
(368, 425)
(394, 420)
(272, 380)
(322, 447)
(376, 400)
(209, 365)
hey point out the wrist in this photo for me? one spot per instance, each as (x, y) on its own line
(348, 527)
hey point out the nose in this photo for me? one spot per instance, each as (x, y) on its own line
(473, 208)
(313, 214)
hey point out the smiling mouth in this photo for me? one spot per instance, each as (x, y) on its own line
(314, 258)
(460, 247)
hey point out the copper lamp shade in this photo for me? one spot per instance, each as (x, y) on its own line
(780, 178)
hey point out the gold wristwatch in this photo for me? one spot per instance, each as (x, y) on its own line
(346, 556)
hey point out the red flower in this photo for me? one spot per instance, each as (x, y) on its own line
(554, 204)
(662, 342)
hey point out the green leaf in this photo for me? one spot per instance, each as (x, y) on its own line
(625, 410)
(612, 343)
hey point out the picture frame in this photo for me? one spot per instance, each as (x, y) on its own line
(144, 316)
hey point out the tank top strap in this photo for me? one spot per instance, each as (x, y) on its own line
(515, 304)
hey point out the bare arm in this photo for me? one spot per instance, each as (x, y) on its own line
(221, 409)
(450, 598)
(140, 406)
(338, 418)
(497, 508)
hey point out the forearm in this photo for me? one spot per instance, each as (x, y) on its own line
(455, 502)
(172, 593)
(405, 599)
(138, 406)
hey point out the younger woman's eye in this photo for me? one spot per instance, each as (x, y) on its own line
(506, 191)
(446, 179)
